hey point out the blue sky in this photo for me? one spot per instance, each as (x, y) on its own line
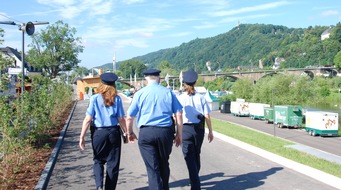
(130, 28)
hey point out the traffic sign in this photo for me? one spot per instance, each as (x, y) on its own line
(16, 71)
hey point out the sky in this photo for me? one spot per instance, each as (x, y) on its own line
(124, 29)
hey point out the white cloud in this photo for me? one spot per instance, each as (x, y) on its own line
(329, 13)
(205, 25)
(244, 18)
(131, 43)
(132, 1)
(102, 9)
(322, 8)
(70, 9)
(56, 2)
(4, 15)
(220, 3)
(41, 12)
(180, 34)
(13, 43)
(261, 7)
(70, 12)
(11, 31)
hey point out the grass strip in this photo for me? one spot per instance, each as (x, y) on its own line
(275, 145)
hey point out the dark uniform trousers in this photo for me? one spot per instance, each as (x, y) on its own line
(155, 144)
(106, 144)
(192, 139)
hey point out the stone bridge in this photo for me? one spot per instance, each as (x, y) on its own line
(253, 75)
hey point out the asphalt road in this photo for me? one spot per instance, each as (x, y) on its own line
(327, 144)
(224, 166)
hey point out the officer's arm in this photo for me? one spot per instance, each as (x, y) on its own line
(122, 123)
(178, 136)
(130, 131)
(209, 125)
(85, 126)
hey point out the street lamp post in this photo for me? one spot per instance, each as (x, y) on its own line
(29, 29)
(250, 61)
(273, 107)
(114, 63)
(174, 79)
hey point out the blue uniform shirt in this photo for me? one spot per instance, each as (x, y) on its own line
(154, 105)
(105, 116)
(193, 106)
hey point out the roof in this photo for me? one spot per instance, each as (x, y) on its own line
(8, 51)
(13, 52)
(210, 98)
(326, 31)
(74, 81)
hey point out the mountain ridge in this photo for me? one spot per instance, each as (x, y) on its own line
(248, 45)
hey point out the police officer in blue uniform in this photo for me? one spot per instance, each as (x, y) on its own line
(154, 106)
(106, 111)
(195, 113)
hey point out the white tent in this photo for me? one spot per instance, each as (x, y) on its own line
(212, 101)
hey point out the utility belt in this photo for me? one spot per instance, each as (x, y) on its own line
(105, 128)
(93, 128)
(199, 125)
(144, 126)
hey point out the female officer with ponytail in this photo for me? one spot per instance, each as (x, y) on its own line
(195, 113)
(106, 111)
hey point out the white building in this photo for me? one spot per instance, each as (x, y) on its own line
(326, 34)
(12, 53)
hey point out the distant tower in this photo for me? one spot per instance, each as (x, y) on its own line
(114, 63)
(238, 24)
(208, 65)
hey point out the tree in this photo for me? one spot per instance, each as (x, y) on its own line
(130, 67)
(167, 68)
(5, 62)
(243, 88)
(1, 35)
(55, 49)
(336, 32)
(337, 60)
(79, 72)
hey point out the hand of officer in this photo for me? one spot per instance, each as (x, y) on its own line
(81, 143)
(132, 137)
(210, 137)
(177, 140)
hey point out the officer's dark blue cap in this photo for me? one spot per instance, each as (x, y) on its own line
(108, 78)
(190, 77)
(153, 72)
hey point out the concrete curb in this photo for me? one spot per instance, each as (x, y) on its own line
(301, 168)
(46, 174)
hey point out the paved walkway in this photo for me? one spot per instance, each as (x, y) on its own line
(226, 164)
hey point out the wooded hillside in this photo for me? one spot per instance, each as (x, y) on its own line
(247, 44)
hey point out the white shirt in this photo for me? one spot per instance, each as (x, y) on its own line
(193, 105)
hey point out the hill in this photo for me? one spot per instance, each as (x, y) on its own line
(250, 44)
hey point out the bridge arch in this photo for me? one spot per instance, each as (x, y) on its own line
(233, 77)
(309, 74)
(334, 72)
(268, 74)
